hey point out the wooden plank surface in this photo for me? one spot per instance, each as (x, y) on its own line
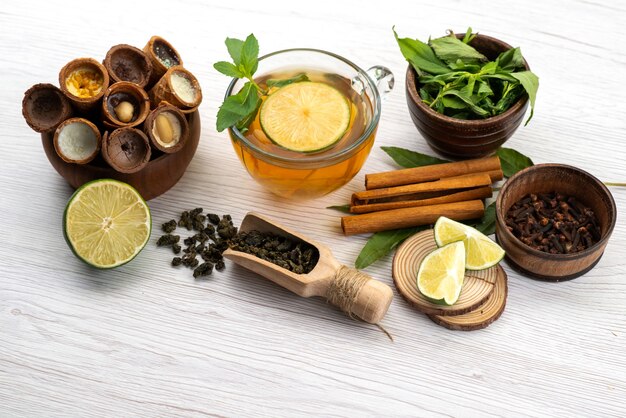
(148, 340)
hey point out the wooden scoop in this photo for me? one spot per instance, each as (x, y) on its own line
(352, 291)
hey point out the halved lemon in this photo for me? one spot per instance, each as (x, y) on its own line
(306, 116)
(441, 274)
(106, 223)
(481, 252)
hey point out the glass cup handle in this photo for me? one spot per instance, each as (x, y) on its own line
(383, 78)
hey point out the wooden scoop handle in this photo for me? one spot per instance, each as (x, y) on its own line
(358, 294)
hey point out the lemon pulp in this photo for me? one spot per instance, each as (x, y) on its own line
(306, 116)
(107, 223)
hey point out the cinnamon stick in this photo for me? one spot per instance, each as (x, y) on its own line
(470, 194)
(430, 172)
(408, 217)
(453, 183)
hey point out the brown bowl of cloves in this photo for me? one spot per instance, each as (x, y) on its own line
(554, 221)
(122, 119)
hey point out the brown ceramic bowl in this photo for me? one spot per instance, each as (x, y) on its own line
(158, 176)
(569, 181)
(458, 138)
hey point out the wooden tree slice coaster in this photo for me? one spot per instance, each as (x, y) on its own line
(482, 316)
(477, 287)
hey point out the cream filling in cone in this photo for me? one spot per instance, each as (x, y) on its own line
(184, 89)
(175, 127)
(77, 141)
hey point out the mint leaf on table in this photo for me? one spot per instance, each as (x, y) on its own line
(382, 243)
(512, 161)
(487, 224)
(410, 159)
(340, 208)
(272, 82)
(240, 109)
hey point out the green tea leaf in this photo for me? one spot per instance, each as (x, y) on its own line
(250, 55)
(420, 56)
(272, 82)
(409, 159)
(512, 161)
(468, 100)
(469, 36)
(451, 49)
(382, 243)
(228, 69)
(340, 208)
(234, 47)
(237, 107)
(511, 60)
(531, 84)
(454, 103)
(487, 224)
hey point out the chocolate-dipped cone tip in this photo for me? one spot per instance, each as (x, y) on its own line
(162, 55)
(127, 150)
(44, 107)
(178, 87)
(77, 140)
(127, 63)
(125, 104)
(167, 128)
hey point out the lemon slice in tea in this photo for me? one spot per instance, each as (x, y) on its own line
(306, 116)
(481, 252)
(106, 223)
(441, 274)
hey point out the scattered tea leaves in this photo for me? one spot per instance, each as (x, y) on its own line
(409, 159)
(512, 161)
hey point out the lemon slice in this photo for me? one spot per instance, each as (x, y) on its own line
(441, 274)
(481, 252)
(306, 116)
(106, 223)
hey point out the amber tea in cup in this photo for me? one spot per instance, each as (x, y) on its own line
(310, 173)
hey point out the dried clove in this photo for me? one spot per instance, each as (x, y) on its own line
(553, 223)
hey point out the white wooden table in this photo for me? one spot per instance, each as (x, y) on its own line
(149, 340)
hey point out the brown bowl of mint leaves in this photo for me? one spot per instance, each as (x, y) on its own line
(467, 93)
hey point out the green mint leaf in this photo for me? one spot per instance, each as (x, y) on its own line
(512, 161)
(272, 82)
(238, 107)
(340, 208)
(420, 56)
(487, 224)
(382, 243)
(243, 124)
(511, 60)
(530, 82)
(468, 100)
(454, 103)
(469, 36)
(228, 69)
(234, 47)
(451, 49)
(250, 55)
(409, 159)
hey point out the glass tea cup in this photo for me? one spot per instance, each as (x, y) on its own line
(307, 175)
